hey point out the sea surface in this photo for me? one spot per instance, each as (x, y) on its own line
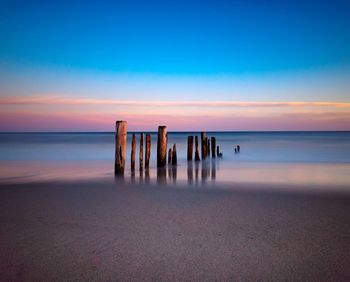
(319, 159)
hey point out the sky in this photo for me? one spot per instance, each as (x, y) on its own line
(191, 65)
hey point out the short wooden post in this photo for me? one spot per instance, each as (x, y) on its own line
(204, 144)
(133, 152)
(213, 146)
(120, 146)
(148, 150)
(174, 160)
(170, 156)
(238, 148)
(189, 148)
(208, 147)
(162, 143)
(218, 152)
(141, 151)
(196, 155)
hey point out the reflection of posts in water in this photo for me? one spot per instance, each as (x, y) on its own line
(190, 172)
(205, 171)
(119, 178)
(132, 177)
(147, 175)
(161, 175)
(174, 172)
(169, 172)
(196, 171)
(213, 169)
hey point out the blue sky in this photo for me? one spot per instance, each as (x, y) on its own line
(175, 50)
(177, 37)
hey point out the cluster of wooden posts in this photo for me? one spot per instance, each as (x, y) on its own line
(207, 145)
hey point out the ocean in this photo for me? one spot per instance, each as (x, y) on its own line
(318, 159)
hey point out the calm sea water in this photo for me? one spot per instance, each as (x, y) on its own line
(320, 158)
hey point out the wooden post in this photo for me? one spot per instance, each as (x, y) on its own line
(170, 156)
(174, 160)
(213, 146)
(204, 145)
(162, 143)
(141, 151)
(133, 152)
(120, 146)
(196, 155)
(148, 150)
(189, 148)
(208, 147)
(218, 152)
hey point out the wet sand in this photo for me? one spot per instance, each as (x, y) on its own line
(111, 231)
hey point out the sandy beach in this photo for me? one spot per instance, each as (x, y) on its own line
(103, 230)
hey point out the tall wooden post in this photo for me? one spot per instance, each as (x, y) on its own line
(196, 155)
(141, 151)
(174, 160)
(208, 147)
(133, 152)
(189, 148)
(170, 156)
(120, 146)
(162, 143)
(218, 151)
(148, 150)
(204, 145)
(213, 146)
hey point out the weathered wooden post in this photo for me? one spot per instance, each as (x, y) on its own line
(148, 150)
(213, 146)
(133, 152)
(170, 156)
(162, 143)
(204, 145)
(174, 160)
(141, 151)
(218, 152)
(189, 148)
(208, 147)
(120, 146)
(196, 155)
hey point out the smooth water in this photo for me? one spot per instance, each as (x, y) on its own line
(320, 158)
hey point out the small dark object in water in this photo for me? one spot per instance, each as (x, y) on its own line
(235, 150)
(238, 148)
(220, 155)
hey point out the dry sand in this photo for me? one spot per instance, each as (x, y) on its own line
(108, 231)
